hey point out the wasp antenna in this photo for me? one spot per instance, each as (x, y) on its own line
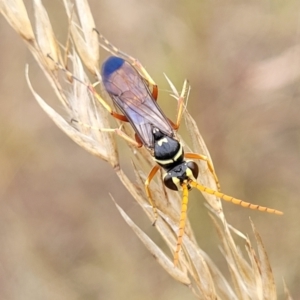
(185, 199)
(234, 200)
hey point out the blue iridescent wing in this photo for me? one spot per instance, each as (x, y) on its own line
(132, 96)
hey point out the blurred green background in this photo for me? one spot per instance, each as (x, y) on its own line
(61, 236)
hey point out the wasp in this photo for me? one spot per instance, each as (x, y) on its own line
(130, 92)
(128, 84)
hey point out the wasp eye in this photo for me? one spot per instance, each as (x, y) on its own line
(169, 182)
(194, 168)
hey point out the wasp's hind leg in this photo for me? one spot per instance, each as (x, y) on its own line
(108, 46)
(148, 192)
(181, 99)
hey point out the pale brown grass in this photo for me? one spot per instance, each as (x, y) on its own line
(251, 277)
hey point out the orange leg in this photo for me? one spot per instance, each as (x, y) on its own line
(133, 61)
(183, 214)
(138, 140)
(234, 200)
(123, 135)
(148, 192)
(105, 105)
(91, 88)
(182, 98)
(209, 164)
(135, 142)
(155, 92)
(105, 44)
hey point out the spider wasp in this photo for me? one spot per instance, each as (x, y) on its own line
(128, 85)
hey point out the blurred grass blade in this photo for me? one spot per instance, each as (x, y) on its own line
(83, 33)
(286, 292)
(82, 140)
(268, 282)
(161, 258)
(16, 15)
(45, 35)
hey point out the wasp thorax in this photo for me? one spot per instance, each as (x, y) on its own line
(157, 134)
(167, 150)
